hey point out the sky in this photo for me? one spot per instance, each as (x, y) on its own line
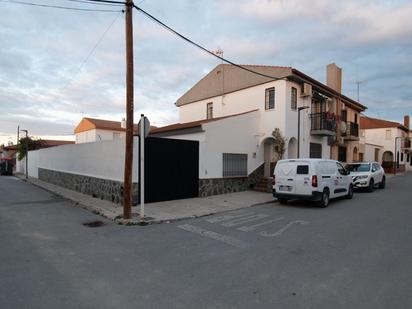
(57, 66)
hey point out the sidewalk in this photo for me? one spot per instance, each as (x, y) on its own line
(161, 211)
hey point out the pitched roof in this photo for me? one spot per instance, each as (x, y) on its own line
(374, 123)
(226, 78)
(193, 124)
(87, 124)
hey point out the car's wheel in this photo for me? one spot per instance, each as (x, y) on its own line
(371, 186)
(324, 201)
(350, 192)
(382, 183)
(282, 200)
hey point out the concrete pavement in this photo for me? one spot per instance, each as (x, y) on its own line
(160, 211)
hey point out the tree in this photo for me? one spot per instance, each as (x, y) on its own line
(32, 144)
(279, 143)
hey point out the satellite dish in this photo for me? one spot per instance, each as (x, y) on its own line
(343, 127)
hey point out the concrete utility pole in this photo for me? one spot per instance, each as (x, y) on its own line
(27, 153)
(128, 162)
(18, 132)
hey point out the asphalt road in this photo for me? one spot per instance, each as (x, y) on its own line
(353, 254)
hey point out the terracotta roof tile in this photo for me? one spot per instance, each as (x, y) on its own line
(374, 123)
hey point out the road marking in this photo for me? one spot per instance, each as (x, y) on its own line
(227, 217)
(244, 220)
(216, 236)
(280, 231)
(253, 227)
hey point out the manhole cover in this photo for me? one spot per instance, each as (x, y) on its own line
(93, 223)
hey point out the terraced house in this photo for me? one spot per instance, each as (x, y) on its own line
(233, 112)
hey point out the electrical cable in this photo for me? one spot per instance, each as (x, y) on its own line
(198, 45)
(57, 6)
(96, 3)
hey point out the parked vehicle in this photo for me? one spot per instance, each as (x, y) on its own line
(311, 179)
(367, 175)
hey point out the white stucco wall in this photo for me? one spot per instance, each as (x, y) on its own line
(97, 135)
(100, 159)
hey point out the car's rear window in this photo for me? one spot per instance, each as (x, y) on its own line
(302, 169)
(363, 167)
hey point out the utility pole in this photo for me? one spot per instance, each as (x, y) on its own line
(18, 132)
(128, 162)
(27, 153)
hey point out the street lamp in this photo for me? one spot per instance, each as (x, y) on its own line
(396, 155)
(27, 153)
(299, 110)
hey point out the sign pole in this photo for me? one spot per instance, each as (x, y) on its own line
(142, 138)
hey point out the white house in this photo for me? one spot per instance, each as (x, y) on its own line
(387, 142)
(235, 112)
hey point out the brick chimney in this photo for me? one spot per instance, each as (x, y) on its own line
(334, 77)
(406, 121)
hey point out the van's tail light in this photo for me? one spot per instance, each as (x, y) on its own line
(314, 181)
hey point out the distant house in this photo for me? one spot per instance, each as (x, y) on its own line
(94, 130)
(386, 142)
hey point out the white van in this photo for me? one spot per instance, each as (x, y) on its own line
(311, 179)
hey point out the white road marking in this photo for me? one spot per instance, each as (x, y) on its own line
(244, 220)
(253, 227)
(227, 217)
(216, 236)
(280, 231)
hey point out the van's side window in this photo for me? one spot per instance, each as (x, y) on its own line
(341, 169)
(302, 170)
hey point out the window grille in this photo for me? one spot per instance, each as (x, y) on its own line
(270, 98)
(234, 165)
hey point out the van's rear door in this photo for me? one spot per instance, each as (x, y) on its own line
(303, 182)
(285, 173)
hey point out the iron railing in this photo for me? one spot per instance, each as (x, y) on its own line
(321, 121)
(352, 129)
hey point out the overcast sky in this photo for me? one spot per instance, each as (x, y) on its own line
(48, 82)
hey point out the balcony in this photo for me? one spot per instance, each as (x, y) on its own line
(322, 124)
(352, 131)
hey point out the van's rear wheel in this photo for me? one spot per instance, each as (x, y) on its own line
(324, 201)
(282, 200)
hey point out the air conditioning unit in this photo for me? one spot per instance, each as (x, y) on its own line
(341, 140)
(307, 90)
(343, 106)
(331, 140)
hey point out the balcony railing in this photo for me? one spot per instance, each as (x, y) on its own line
(322, 124)
(352, 130)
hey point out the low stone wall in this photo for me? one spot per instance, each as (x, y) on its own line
(215, 186)
(104, 189)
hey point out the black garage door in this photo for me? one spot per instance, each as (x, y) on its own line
(171, 169)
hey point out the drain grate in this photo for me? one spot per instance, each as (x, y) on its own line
(94, 223)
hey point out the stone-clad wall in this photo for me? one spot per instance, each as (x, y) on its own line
(104, 189)
(214, 186)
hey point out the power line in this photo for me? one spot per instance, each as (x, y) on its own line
(92, 3)
(198, 45)
(57, 6)
(108, 1)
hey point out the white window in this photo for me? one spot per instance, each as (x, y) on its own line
(234, 165)
(294, 99)
(270, 98)
(388, 134)
(209, 110)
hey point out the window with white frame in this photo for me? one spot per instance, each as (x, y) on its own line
(270, 98)
(234, 165)
(388, 134)
(209, 110)
(294, 99)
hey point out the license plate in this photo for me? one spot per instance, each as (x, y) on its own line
(285, 188)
